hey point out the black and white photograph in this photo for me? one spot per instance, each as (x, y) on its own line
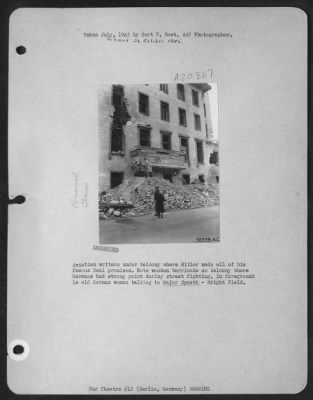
(158, 163)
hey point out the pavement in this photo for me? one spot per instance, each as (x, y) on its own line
(177, 226)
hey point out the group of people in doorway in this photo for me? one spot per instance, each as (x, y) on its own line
(158, 202)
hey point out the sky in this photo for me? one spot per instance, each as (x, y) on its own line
(212, 97)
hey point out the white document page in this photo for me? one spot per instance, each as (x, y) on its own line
(161, 248)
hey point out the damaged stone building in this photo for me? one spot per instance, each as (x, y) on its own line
(161, 130)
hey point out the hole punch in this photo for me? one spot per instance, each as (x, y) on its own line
(17, 200)
(21, 50)
(18, 350)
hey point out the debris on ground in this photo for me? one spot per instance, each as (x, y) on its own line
(135, 197)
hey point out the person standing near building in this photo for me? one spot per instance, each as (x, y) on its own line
(158, 202)
(156, 192)
(161, 204)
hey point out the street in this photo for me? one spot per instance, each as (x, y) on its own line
(177, 226)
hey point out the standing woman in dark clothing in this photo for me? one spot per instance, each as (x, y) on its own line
(156, 193)
(159, 202)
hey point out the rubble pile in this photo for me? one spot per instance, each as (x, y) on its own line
(136, 197)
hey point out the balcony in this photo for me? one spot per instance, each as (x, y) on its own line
(158, 158)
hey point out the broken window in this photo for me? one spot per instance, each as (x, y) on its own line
(143, 103)
(200, 156)
(184, 147)
(186, 179)
(180, 91)
(201, 178)
(182, 117)
(214, 158)
(165, 111)
(144, 137)
(195, 98)
(168, 177)
(120, 115)
(166, 140)
(117, 138)
(164, 88)
(116, 179)
(197, 122)
(117, 95)
(120, 118)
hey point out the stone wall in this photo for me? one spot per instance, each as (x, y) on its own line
(118, 163)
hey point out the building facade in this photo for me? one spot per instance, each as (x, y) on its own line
(159, 130)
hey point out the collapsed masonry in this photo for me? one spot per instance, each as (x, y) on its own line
(135, 197)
